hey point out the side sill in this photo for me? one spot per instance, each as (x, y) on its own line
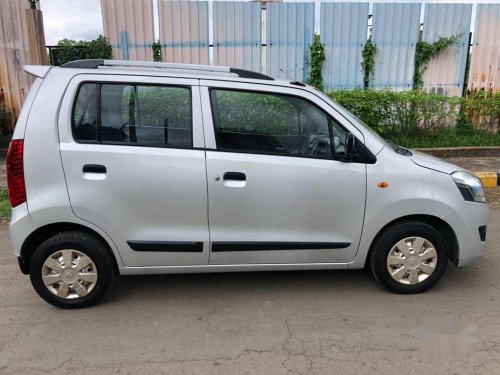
(213, 268)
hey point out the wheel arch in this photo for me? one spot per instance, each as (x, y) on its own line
(439, 224)
(41, 234)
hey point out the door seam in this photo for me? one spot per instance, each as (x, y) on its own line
(206, 174)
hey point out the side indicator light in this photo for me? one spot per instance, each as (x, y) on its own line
(382, 184)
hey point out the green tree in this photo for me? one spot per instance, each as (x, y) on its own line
(70, 50)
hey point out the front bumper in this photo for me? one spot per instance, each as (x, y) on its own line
(466, 220)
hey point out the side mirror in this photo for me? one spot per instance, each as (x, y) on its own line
(349, 147)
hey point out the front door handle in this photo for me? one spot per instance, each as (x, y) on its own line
(235, 176)
(94, 168)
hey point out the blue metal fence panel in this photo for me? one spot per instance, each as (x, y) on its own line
(238, 34)
(290, 32)
(128, 24)
(343, 33)
(395, 32)
(184, 31)
(445, 73)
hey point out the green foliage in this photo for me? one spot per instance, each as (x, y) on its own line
(417, 119)
(368, 62)
(70, 50)
(484, 108)
(156, 48)
(450, 137)
(425, 51)
(253, 112)
(317, 51)
(4, 203)
(154, 112)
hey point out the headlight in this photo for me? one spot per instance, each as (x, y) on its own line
(470, 186)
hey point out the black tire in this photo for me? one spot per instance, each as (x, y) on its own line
(384, 243)
(84, 243)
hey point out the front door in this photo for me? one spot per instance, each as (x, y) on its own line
(279, 190)
(135, 166)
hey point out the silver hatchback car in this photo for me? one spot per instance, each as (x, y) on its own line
(120, 167)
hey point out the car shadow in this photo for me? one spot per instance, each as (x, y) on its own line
(226, 285)
(237, 283)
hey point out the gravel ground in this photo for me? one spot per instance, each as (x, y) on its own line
(493, 197)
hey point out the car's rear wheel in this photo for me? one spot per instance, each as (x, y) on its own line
(409, 257)
(72, 270)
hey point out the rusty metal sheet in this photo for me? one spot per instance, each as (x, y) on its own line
(445, 73)
(14, 54)
(128, 24)
(395, 32)
(184, 31)
(238, 34)
(484, 71)
(343, 33)
(290, 32)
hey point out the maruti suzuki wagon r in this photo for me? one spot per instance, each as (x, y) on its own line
(120, 167)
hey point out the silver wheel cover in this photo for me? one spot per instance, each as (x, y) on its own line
(412, 260)
(69, 274)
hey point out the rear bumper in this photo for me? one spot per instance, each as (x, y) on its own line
(23, 265)
(21, 226)
(468, 221)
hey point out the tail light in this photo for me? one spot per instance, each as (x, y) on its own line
(15, 173)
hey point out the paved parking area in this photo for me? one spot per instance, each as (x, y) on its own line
(316, 322)
(477, 164)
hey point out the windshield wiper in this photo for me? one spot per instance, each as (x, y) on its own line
(398, 149)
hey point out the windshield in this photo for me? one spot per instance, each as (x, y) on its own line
(349, 116)
(356, 120)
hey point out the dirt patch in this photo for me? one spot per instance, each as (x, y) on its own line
(493, 197)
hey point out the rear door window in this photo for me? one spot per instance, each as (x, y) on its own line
(134, 114)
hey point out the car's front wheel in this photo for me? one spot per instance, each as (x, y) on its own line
(72, 270)
(409, 257)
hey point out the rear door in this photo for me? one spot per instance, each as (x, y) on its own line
(279, 189)
(132, 152)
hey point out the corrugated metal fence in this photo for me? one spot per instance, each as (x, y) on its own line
(290, 32)
(445, 73)
(395, 34)
(238, 34)
(129, 26)
(184, 31)
(343, 32)
(277, 40)
(19, 45)
(485, 59)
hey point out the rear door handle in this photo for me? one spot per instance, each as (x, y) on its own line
(94, 168)
(235, 176)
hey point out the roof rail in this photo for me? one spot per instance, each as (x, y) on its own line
(94, 64)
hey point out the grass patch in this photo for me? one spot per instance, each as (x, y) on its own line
(4, 203)
(447, 137)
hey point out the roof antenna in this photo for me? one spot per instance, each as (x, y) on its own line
(287, 76)
(292, 81)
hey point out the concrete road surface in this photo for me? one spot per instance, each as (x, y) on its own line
(326, 322)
